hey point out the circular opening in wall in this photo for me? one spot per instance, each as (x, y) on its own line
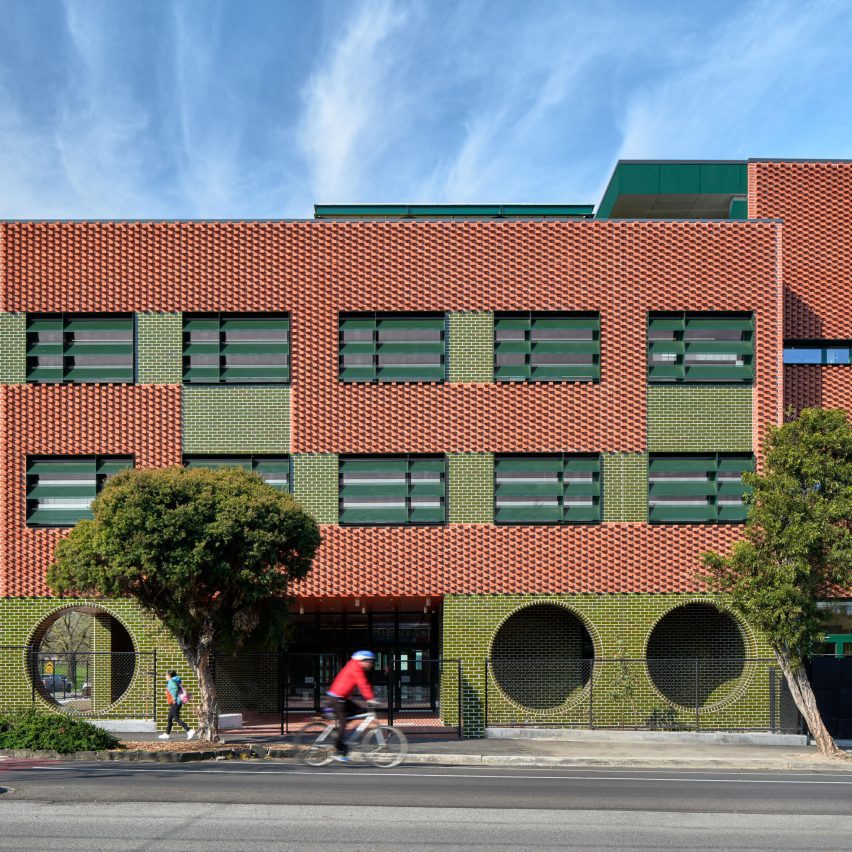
(83, 659)
(696, 655)
(542, 656)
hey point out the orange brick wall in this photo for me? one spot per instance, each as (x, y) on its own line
(142, 421)
(828, 386)
(815, 202)
(478, 559)
(315, 270)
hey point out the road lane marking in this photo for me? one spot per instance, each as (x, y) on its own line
(355, 774)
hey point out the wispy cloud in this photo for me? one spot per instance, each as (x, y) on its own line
(346, 104)
(732, 88)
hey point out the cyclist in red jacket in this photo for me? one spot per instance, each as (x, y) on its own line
(352, 677)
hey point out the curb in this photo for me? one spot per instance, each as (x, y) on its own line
(418, 759)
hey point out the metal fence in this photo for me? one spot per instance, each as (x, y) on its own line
(104, 684)
(279, 690)
(709, 694)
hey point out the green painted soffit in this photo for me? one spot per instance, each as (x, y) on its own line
(453, 211)
(675, 190)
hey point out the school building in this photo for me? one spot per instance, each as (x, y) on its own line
(518, 426)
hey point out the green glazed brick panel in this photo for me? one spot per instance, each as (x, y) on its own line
(20, 618)
(13, 349)
(159, 342)
(471, 488)
(619, 627)
(625, 487)
(699, 418)
(236, 419)
(471, 347)
(316, 486)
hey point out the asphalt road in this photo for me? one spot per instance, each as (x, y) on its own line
(259, 806)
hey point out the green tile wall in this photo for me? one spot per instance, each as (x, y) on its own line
(21, 617)
(619, 626)
(471, 347)
(13, 349)
(625, 487)
(159, 348)
(470, 491)
(699, 418)
(236, 419)
(316, 485)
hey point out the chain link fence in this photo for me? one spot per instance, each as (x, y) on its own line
(655, 693)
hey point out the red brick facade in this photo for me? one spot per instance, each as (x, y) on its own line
(315, 270)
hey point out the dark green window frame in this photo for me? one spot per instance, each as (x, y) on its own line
(231, 348)
(409, 490)
(547, 347)
(80, 348)
(277, 471)
(551, 488)
(384, 347)
(693, 348)
(60, 489)
(693, 488)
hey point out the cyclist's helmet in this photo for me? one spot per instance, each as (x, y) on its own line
(363, 655)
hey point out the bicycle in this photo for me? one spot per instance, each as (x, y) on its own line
(382, 745)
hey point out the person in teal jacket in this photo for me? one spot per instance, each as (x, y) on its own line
(175, 696)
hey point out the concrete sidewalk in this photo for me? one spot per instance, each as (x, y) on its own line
(585, 753)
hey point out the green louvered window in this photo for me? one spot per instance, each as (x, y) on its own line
(551, 489)
(236, 348)
(391, 348)
(393, 490)
(691, 489)
(274, 470)
(79, 348)
(547, 347)
(60, 490)
(686, 347)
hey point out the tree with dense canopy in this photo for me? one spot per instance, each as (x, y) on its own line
(797, 549)
(211, 553)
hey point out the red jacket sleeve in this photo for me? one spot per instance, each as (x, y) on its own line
(361, 681)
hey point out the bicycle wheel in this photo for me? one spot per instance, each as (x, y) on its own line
(385, 746)
(315, 742)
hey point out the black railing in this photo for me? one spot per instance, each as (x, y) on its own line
(647, 693)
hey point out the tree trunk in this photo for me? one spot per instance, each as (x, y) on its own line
(803, 696)
(208, 711)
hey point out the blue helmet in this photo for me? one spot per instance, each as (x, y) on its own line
(363, 655)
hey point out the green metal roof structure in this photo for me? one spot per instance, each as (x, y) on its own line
(676, 189)
(453, 211)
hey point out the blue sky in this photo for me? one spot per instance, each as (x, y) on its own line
(260, 108)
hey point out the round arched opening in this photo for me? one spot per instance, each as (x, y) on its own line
(696, 655)
(83, 659)
(542, 656)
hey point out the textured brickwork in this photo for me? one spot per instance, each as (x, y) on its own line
(482, 559)
(22, 620)
(700, 418)
(815, 202)
(470, 490)
(315, 270)
(828, 386)
(236, 419)
(316, 485)
(159, 348)
(142, 421)
(625, 487)
(619, 625)
(471, 346)
(13, 348)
